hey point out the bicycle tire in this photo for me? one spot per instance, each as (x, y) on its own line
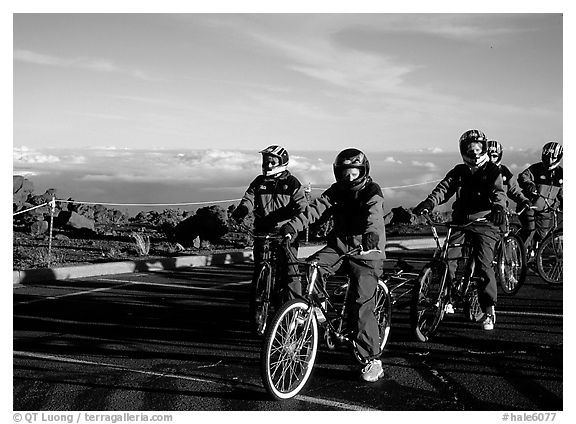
(289, 350)
(510, 264)
(383, 314)
(472, 309)
(260, 293)
(429, 298)
(549, 258)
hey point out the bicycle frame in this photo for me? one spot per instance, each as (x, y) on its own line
(458, 287)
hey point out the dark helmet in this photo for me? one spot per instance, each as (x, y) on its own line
(278, 152)
(495, 149)
(474, 136)
(552, 153)
(351, 158)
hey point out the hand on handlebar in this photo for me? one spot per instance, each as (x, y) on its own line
(423, 208)
(287, 231)
(367, 252)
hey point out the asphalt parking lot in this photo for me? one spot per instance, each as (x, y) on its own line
(180, 341)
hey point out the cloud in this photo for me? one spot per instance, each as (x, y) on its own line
(433, 150)
(428, 165)
(390, 159)
(23, 155)
(87, 63)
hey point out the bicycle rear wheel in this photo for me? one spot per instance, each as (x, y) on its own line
(260, 300)
(289, 350)
(383, 314)
(429, 297)
(549, 258)
(510, 263)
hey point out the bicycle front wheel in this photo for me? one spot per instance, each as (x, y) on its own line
(429, 297)
(472, 309)
(260, 300)
(549, 258)
(383, 314)
(510, 264)
(289, 351)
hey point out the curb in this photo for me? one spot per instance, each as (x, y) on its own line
(394, 247)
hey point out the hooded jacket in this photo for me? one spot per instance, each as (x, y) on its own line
(476, 192)
(511, 186)
(547, 183)
(358, 215)
(273, 199)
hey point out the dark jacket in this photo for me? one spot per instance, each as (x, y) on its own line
(548, 183)
(274, 201)
(511, 186)
(476, 192)
(358, 215)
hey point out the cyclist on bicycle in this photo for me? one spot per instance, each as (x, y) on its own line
(275, 196)
(513, 191)
(541, 183)
(477, 184)
(356, 204)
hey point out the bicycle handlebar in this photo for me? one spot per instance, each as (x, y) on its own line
(451, 224)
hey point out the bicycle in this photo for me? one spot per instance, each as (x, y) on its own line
(434, 289)
(550, 252)
(291, 342)
(264, 292)
(510, 258)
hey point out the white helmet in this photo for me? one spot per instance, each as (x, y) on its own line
(474, 136)
(277, 152)
(552, 153)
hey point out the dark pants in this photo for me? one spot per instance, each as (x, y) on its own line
(483, 238)
(535, 226)
(287, 274)
(363, 276)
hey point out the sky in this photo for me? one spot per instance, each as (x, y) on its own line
(376, 81)
(160, 108)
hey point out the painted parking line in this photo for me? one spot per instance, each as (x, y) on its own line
(184, 285)
(234, 384)
(530, 314)
(101, 289)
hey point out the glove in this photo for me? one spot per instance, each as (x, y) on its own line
(533, 193)
(422, 207)
(239, 213)
(498, 215)
(370, 241)
(288, 231)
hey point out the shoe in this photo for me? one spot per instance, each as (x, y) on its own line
(373, 371)
(449, 309)
(319, 315)
(489, 319)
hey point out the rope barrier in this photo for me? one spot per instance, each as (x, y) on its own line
(31, 209)
(52, 204)
(188, 203)
(150, 204)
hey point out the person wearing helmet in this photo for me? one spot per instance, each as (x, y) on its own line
(274, 197)
(355, 203)
(513, 191)
(477, 184)
(542, 184)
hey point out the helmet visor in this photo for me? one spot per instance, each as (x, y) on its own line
(474, 150)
